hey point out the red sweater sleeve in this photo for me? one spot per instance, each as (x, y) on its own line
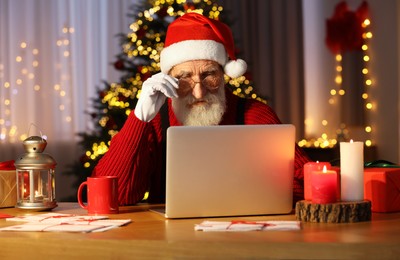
(132, 157)
(259, 113)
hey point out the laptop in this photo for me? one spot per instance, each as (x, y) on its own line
(235, 170)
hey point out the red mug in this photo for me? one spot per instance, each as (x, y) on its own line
(102, 195)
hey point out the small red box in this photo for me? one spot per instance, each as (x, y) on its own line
(382, 188)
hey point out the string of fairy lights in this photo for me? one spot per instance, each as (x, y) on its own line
(27, 64)
(324, 141)
(368, 80)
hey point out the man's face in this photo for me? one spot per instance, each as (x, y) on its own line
(201, 100)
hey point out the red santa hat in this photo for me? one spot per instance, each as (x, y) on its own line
(196, 37)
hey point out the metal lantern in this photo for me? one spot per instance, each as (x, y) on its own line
(35, 176)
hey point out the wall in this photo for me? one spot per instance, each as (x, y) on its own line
(385, 67)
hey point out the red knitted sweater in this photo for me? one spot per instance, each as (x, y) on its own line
(136, 152)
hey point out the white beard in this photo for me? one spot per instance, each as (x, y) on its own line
(206, 114)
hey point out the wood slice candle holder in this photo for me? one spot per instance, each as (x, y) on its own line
(339, 212)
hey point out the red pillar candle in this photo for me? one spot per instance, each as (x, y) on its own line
(324, 186)
(26, 191)
(307, 170)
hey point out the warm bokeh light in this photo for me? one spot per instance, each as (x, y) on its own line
(324, 141)
(28, 66)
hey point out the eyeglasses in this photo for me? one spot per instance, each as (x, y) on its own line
(210, 82)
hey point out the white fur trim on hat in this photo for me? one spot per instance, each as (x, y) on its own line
(235, 68)
(192, 50)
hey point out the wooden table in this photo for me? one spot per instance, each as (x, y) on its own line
(152, 236)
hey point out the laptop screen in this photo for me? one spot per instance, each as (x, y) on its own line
(229, 170)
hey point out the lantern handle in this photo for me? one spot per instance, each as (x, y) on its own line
(40, 131)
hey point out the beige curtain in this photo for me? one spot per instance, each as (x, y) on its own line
(269, 36)
(53, 56)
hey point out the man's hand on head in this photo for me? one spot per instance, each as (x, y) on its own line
(155, 91)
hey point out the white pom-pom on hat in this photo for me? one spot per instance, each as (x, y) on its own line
(235, 68)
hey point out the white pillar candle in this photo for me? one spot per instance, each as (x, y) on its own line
(352, 171)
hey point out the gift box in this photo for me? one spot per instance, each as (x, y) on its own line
(8, 190)
(382, 188)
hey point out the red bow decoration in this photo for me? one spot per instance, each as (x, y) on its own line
(7, 165)
(344, 31)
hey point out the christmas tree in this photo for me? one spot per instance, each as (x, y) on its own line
(138, 61)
